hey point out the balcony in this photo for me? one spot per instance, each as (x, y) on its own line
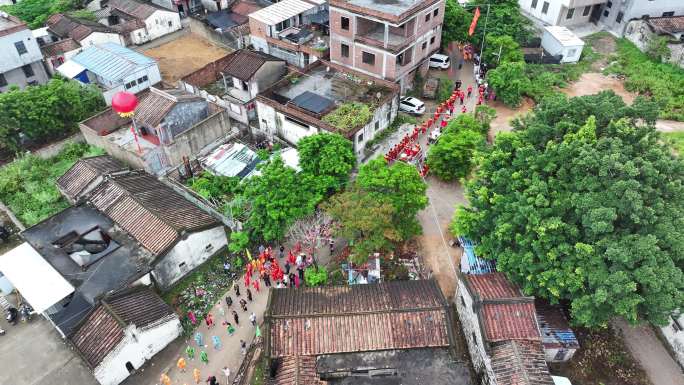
(384, 36)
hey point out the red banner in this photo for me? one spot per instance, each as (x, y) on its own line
(473, 24)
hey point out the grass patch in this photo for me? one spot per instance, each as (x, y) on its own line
(676, 139)
(27, 185)
(209, 279)
(259, 377)
(602, 359)
(350, 115)
(663, 82)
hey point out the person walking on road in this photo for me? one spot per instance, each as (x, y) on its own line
(181, 364)
(253, 319)
(243, 347)
(236, 318)
(196, 375)
(226, 373)
(237, 289)
(249, 295)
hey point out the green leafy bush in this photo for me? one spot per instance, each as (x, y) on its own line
(315, 276)
(663, 81)
(349, 115)
(36, 12)
(446, 87)
(238, 242)
(27, 185)
(214, 187)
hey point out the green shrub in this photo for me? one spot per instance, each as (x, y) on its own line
(315, 276)
(27, 185)
(349, 115)
(446, 87)
(239, 240)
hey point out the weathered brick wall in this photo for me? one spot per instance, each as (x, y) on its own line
(207, 74)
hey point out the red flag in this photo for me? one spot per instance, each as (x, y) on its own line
(473, 23)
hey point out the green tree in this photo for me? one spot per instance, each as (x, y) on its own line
(456, 23)
(501, 49)
(445, 89)
(401, 186)
(215, 188)
(366, 222)
(477, 122)
(36, 12)
(46, 112)
(239, 240)
(278, 197)
(583, 202)
(329, 157)
(316, 276)
(509, 82)
(657, 48)
(505, 19)
(453, 156)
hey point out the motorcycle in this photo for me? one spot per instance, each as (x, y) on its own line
(25, 311)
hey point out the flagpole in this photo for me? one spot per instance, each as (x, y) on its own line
(484, 36)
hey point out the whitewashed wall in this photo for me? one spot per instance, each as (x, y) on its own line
(101, 37)
(187, 254)
(147, 342)
(162, 23)
(473, 335)
(675, 338)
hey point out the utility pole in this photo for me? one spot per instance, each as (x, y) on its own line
(484, 36)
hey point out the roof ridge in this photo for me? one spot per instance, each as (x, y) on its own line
(132, 196)
(363, 312)
(519, 362)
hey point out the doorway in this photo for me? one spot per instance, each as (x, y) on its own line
(130, 367)
(595, 13)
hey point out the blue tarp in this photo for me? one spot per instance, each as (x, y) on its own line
(471, 263)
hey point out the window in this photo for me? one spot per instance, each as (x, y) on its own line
(571, 13)
(432, 40)
(208, 247)
(534, 4)
(130, 84)
(586, 10)
(344, 50)
(377, 125)
(619, 17)
(427, 17)
(368, 58)
(462, 300)
(359, 138)
(545, 7)
(21, 48)
(424, 45)
(157, 20)
(297, 122)
(181, 265)
(474, 338)
(345, 23)
(668, 14)
(606, 13)
(170, 24)
(28, 71)
(609, 4)
(436, 12)
(3, 81)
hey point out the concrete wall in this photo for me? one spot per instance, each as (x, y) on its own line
(18, 77)
(183, 116)
(636, 9)
(102, 37)
(127, 157)
(190, 142)
(382, 118)
(188, 254)
(675, 338)
(145, 345)
(473, 334)
(272, 123)
(10, 58)
(266, 76)
(162, 23)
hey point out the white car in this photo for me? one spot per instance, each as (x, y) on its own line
(440, 61)
(411, 105)
(560, 380)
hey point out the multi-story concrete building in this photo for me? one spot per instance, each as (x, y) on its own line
(21, 60)
(612, 15)
(385, 39)
(293, 30)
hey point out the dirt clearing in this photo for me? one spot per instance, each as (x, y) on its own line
(184, 55)
(593, 83)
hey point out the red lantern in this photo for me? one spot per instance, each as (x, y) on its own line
(124, 103)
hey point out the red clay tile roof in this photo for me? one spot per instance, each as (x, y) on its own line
(150, 211)
(492, 286)
(388, 315)
(520, 363)
(294, 370)
(510, 321)
(672, 25)
(245, 63)
(59, 47)
(244, 8)
(78, 29)
(104, 328)
(84, 172)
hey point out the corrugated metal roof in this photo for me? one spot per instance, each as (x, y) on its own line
(112, 61)
(281, 11)
(471, 263)
(231, 159)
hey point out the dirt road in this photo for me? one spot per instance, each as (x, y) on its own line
(651, 354)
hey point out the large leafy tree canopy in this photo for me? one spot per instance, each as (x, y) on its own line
(368, 224)
(36, 12)
(278, 197)
(504, 19)
(398, 184)
(584, 203)
(45, 112)
(453, 156)
(329, 157)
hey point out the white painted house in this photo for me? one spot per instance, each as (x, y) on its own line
(21, 59)
(558, 40)
(562, 12)
(674, 335)
(139, 22)
(113, 68)
(124, 331)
